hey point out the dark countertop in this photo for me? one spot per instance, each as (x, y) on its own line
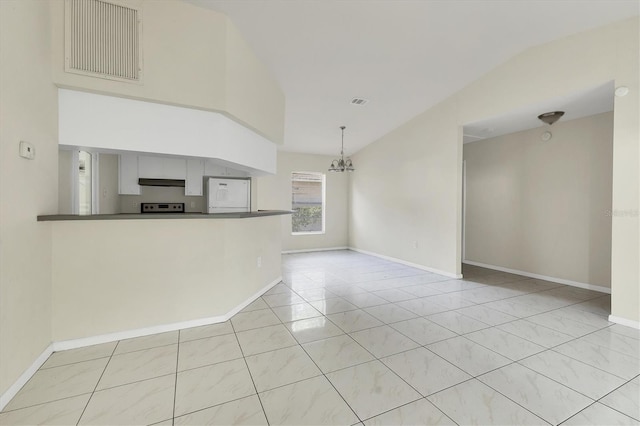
(129, 216)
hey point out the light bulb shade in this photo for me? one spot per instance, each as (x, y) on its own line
(551, 117)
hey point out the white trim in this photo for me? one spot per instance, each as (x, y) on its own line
(625, 322)
(24, 377)
(111, 337)
(599, 288)
(404, 262)
(314, 249)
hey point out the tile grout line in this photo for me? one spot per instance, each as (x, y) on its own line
(97, 383)
(175, 383)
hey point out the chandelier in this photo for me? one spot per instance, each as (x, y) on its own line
(341, 165)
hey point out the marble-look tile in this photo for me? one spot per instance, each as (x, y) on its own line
(473, 402)
(61, 412)
(593, 320)
(625, 399)
(615, 341)
(488, 294)
(351, 321)
(601, 357)
(296, 312)
(468, 356)
(420, 412)
(625, 331)
(212, 385)
(333, 305)
(311, 329)
(258, 304)
(145, 402)
(146, 342)
(80, 354)
(281, 367)
(599, 415)
(346, 290)
(506, 344)
(241, 412)
(425, 371)
(486, 315)
(310, 402)
(278, 289)
(168, 422)
(336, 353)
(423, 331)
(567, 326)
(535, 333)
(394, 295)
(372, 388)
(421, 290)
(365, 300)
(509, 306)
(576, 375)
(265, 339)
(201, 352)
(254, 319)
(422, 307)
(537, 393)
(282, 299)
(313, 294)
(390, 313)
(599, 306)
(201, 332)
(457, 323)
(451, 301)
(451, 286)
(383, 341)
(59, 382)
(139, 365)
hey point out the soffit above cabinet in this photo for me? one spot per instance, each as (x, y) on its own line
(116, 124)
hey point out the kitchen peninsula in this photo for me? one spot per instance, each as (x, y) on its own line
(125, 275)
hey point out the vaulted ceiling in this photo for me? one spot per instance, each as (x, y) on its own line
(403, 56)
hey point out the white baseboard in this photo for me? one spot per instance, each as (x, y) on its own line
(404, 262)
(625, 322)
(24, 377)
(120, 335)
(599, 288)
(314, 250)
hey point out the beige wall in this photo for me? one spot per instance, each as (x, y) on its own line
(65, 181)
(109, 200)
(171, 271)
(189, 55)
(274, 193)
(409, 183)
(27, 187)
(543, 207)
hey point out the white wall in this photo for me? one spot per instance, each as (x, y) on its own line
(409, 183)
(274, 193)
(193, 57)
(171, 271)
(28, 188)
(543, 207)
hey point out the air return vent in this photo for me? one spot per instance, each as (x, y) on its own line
(358, 101)
(102, 39)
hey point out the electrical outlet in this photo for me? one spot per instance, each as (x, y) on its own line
(259, 261)
(27, 150)
(193, 204)
(415, 244)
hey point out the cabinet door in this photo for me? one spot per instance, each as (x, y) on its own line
(128, 175)
(152, 167)
(195, 173)
(174, 168)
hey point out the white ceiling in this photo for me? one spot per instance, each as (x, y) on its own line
(404, 56)
(576, 105)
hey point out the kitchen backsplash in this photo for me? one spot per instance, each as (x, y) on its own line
(156, 194)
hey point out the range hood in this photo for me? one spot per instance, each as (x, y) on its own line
(161, 182)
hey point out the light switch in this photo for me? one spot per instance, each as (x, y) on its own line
(27, 150)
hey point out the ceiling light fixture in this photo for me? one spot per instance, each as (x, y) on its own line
(551, 117)
(341, 165)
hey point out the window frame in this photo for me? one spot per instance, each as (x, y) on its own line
(323, 183)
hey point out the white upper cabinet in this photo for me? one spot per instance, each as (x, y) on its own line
(128, 174)
(161, 167)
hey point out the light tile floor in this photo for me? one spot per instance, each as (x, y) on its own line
(353, 339)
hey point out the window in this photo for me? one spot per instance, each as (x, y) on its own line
(307, 202)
